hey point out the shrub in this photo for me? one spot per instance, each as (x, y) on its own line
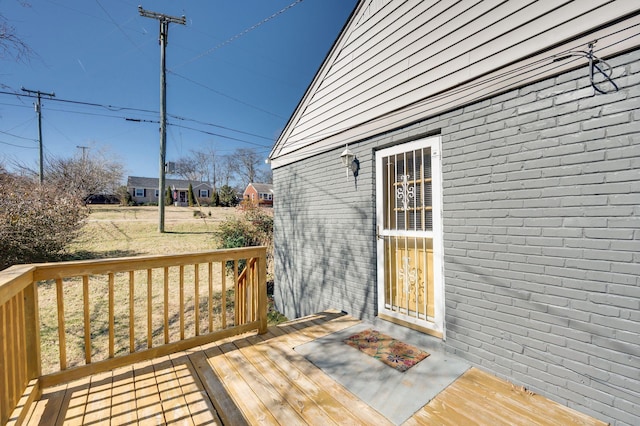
(125, 196)
(190, 197)
(36, 221)
(254, 228)
(227, 196)
(215, 199)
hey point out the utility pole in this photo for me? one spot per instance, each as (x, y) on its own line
(84, 152)
(164, 20)
(39, 112)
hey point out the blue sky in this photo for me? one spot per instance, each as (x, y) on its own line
(235, 84)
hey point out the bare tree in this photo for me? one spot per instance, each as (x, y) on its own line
(266, 175)
(187, 168)
(212, 163)
(86, 175)
(199, 166)
(203, 165)
(225, 167)
(246, 164)
(11, 45)
(211, 167)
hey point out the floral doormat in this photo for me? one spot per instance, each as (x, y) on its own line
(392, 352)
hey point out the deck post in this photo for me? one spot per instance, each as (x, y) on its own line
(262, 291)
(32, 330)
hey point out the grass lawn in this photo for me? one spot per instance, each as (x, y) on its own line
(114, 231)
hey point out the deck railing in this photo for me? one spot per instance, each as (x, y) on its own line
(98, 315)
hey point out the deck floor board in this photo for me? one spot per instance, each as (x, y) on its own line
(123, 397)
(261, 380)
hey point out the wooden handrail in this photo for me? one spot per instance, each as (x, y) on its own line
(21, 378)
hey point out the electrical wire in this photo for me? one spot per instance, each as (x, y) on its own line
(50, 124)
(226, 96)
(27, 121)
(219, 135)
(115, 108)
(105, 106)
(240, 34)
(19, 137)
(17, 106)
(93, 114)
(18, 146)
(177, 117)
(593, 65)
(113, 21)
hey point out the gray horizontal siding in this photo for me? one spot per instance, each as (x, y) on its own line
(541, 208)
(410, 52)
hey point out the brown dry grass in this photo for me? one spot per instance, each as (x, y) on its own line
(113, 231)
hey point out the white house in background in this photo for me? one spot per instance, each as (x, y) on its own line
(496, 200)
(145, 190)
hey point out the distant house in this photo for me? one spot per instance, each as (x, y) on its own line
(259, 193)
(492, 191)
(145, 190)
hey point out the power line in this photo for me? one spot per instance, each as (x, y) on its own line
(94, 114)
(116, 24)
(142, 120)
(18, 146)
(221, 127)
(137, 120)
(222, 136)
(19, 137)
(70, 101)
(240, 34)
(225, 95)
(122, 108)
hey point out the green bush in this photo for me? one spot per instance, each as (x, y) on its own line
(227, 196)
(215, 199)
(254, 228)
(191, 199)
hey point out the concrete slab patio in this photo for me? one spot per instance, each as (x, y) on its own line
(397, 395)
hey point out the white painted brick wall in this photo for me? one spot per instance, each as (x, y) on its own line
(541, 216)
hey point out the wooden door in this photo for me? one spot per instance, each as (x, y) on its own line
(408, 188)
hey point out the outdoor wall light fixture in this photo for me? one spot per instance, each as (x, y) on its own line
(350, 162)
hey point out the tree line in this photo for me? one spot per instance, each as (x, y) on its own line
(243, 166)
(37, 221)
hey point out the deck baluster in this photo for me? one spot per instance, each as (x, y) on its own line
(62, 345)
(21, 377)
(87, 319)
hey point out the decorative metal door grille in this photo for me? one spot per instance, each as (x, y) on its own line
(408, 233)
(407, 178)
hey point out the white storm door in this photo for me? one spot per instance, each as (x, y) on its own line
(409, 227)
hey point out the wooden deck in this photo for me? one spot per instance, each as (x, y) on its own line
(255, 379)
